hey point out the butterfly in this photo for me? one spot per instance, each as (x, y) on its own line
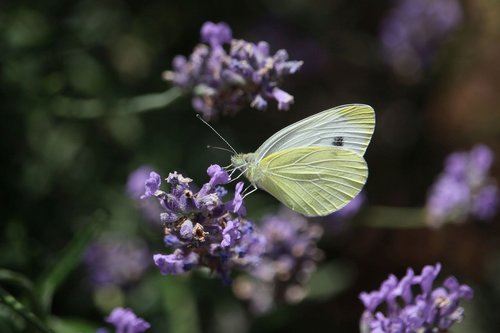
(314, 166)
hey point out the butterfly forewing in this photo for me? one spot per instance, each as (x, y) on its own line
(348, 126)
(313, 181)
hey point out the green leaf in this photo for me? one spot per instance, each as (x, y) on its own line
(8, 276)
(20, 309)
(19, 280)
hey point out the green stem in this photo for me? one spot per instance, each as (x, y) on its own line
(19, 308)
(392, 217)
(179, 304)
(19, 280)
(94, 108)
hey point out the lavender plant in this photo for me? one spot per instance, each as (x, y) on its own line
(204, 226)
(408, 310)
(205, 231)
(225, 81)
(465, 188)
(202, 229)
(135, 189)
(287, 262)
(116, 261)
(125, 321)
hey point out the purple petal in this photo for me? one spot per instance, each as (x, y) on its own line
(283, 98)
(126, 321)
(426, 278)
(216, 33)
(217, 175)
(175, 263)
(237, 205)
(481, 158)
(486, 203)
(259, 103)
(152, 185)
(187, 229)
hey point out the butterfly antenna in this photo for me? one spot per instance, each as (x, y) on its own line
(213, 129)
(219, 148)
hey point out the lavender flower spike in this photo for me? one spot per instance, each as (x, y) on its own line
(285, 266)
(152, 185)
(465, 188)
(126, 321)
(225, 74)
(115, 261)
(201, 228)
(135, 190)
(216, 33)
(428, 310)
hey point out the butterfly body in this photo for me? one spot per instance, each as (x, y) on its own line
(248, 164)
(314, 166)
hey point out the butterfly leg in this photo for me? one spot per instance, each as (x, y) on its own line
(241, 173)
(253, 190)
(232, 171)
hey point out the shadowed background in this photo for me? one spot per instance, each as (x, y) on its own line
(61, 172)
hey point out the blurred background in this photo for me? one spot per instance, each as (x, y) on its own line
(431, 72)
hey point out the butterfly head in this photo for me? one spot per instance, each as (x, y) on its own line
(242, 161)
(248, 166)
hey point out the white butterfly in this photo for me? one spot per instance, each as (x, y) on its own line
(314, 166)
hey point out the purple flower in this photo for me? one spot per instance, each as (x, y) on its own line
(176, 263)
(286, 264)
(202, 229)
(465, 188)
(482, 159)
(409, 309)
(228, 74)
(125, 321)
(237, 205)
(217, 175)
(152, 185)
(136, 180)
(284, 99)
(486, 204)
(112, 261)
(413, 30)
(231, 234)
(216, 33)
(135, 190)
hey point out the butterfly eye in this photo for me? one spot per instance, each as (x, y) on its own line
(338, 141)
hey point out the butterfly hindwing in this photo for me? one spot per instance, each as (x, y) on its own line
(313, 181)
(348, 126)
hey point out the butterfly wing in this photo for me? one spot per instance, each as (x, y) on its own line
(348, 126)
(313, 181)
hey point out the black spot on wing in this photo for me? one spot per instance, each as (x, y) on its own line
(338, 141)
